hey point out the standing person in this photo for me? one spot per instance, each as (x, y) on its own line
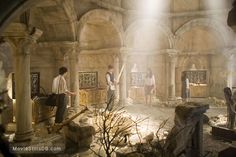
(185, 87)
(149, 86)
(59, 88)
(111, 82)
(230, 108)
(187, 90)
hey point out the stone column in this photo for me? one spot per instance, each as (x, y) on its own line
(59, 58)
(22, 49)
(172, 65)
(117, 71)
(74, 74)
(123, 79)
(230, 70)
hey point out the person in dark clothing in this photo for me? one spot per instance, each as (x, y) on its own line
(111, 87)
(231, 21)
(230, 108)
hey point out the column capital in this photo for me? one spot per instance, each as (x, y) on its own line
(172, 53)
(59, 55)
(229, 53)
(65, 47)
(24, 40)
(172, 56)
(115, 56)
(69, 46)
(124, 50)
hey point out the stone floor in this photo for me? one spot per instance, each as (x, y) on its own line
(157, 113)
(153, 116)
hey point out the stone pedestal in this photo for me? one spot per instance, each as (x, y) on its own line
(187, 134)
(224, 133)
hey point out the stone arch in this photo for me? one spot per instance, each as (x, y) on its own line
(14, 10)
(21, 7)
(135, 26)
(224, 32)
(111, 17)
(188, 61)
(67, 6)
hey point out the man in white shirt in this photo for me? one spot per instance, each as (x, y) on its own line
(111, 87)
(59, 88)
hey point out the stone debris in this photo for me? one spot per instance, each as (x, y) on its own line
(81, 132)
(188, 121)
(220, 120)
(217, 102)
(149, 138)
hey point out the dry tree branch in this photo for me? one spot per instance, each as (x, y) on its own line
(113, 128)
(136, 122)
(161, 126)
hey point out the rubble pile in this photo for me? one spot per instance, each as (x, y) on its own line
(216, 102)
(220, 120)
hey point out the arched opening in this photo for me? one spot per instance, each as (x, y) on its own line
(147, 42)
(201, 48)
(100, 44)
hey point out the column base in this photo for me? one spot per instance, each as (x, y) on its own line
(26, 136)
(172, 99)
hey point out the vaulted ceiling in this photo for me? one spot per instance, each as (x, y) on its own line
(59, 18)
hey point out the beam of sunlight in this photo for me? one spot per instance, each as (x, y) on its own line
(151, 8)
(215, 4)
(146, 37)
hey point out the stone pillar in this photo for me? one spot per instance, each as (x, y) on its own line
(230, 71)
(59, 58)
(172, 65)
(22, 49)
(117, 71)
(123, 79)
(74, 75)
